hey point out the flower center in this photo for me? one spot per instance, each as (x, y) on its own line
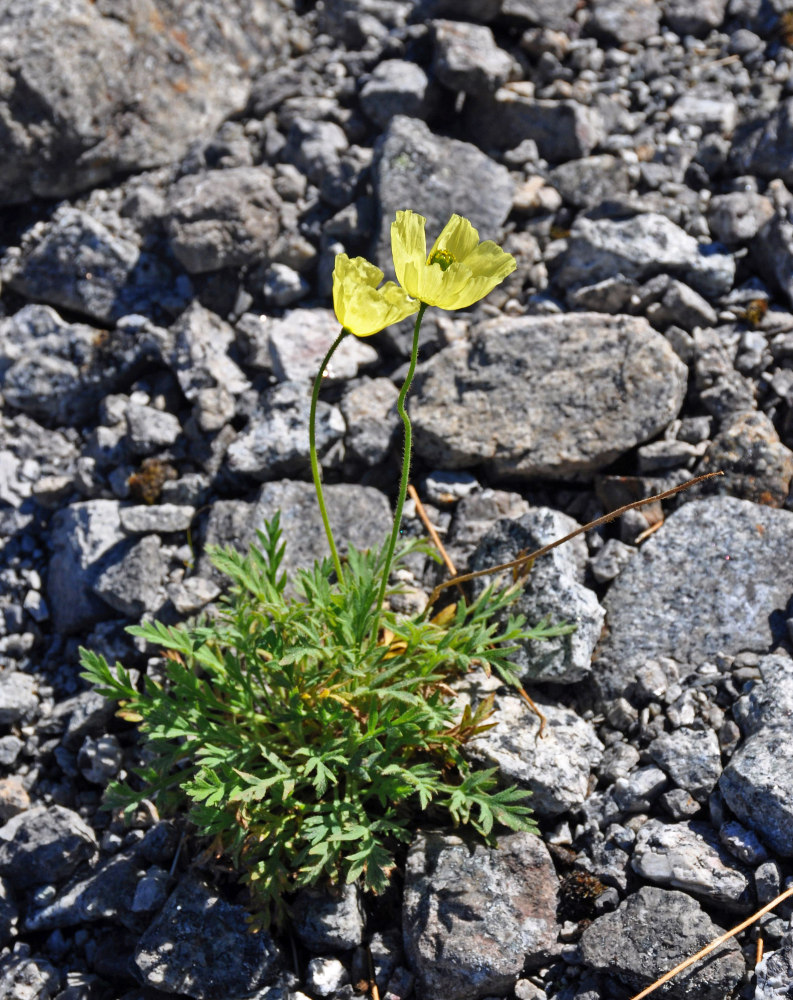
(443, 258)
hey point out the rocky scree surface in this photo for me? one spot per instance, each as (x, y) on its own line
(176, 182)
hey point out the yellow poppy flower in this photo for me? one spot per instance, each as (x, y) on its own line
(360, 306)
(459, 269)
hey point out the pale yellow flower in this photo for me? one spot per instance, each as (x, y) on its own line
(360, 306)
(458, 271)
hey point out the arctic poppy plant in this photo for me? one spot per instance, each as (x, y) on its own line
(360, 306)
(458, 271)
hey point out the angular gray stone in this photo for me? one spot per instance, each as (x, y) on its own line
(150, 429)
(369, 410)
(466, 57)
(772, 251)
(315, 147)
(563, 130)
(689, 856)
(81, 534)
(200, 945)
(199, 357)
(23, 976)
(18, 699)
(275, 443)
(328, 921)
(757, 785)
(546, 396)
(326, 976)
(132, 583)
(738, 216)
(292, 346)
(359, 515)
(161, 518)
(775, 972)
(555, 768)
(764, 146)
(75, 262)
(395, 87)
(553, 14)
(44, 845)
(222, 218)
(553, 590)
(58, 371)
(723, 565)
(769, 701)
(90, 90)
(651, 932)
(639, 248)
(681, 306)
(624, 20)
(436, 177)
(474, 916)
(691, 758)
(755, 463)
(588, 181)
(694, 17)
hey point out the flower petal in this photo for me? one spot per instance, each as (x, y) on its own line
(488, 259)
(408, 246)
(458, 237)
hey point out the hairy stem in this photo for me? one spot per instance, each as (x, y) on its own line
(403, 483)
(312, 447)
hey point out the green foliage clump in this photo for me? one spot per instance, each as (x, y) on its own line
(302, 738)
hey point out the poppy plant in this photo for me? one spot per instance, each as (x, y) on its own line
(360, 306)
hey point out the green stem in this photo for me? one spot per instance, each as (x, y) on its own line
(403, 483)
(312, 447)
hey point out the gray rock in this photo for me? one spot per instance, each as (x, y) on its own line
(325, 976)
(722, 390)
(563, 130)
(553, 14)
(652, 931)
(610, 561)
(222, 218)
(58, 371)
(359, 515)
(131, 583)
(161, 518)
(275, 443)
(200, 945)
(93, 90)
(636, 792)
(315, 147)
(81, 535)
(691, 758)
(679, 804)
(8, 915)
(682, 306)
(769, 702)
(556, 768)
(76, 262)
(553, 590)
(326, 922)
(694, 18)
(624, 20)
(192, 594)
(18, 701)
(44, 845)
(772, 252)
(738, 216)
(755, 463)
(722, 564)
(395, 87)
(475, 515)
(466, 57)
(590, 388)
(742, 844)
(757, 785)
(23, 977)
(474, 917)
(283, 285)
(292, 347)
(763, 147)
(408, 166)
(10, 746)
(100, 760)
(775, 972)
(199, 357)
(588, 181)
(689, 856)
(150, 429)
(639, 248)
(369, 410)
(707, 106)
